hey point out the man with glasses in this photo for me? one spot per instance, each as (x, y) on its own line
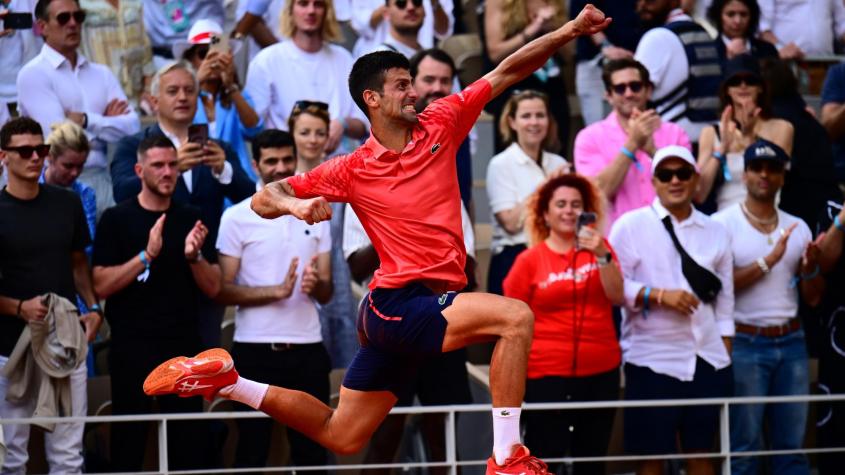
(617, 151)
(60, 84)
(43, 235)
(675, 332)
(773, 252)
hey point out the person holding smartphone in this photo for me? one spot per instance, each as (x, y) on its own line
(570, 278)
(19, 45)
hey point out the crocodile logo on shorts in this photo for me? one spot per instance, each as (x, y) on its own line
(435, 148)
(442, 299)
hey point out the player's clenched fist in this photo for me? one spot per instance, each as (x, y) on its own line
(591, 20)
(312, 210)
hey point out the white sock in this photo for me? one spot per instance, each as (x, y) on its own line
(505, 432)
(246, 391)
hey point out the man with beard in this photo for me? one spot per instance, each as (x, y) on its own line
(276, 271)
(683, 63)
(617, 151)
(151, 263)
(772, 252)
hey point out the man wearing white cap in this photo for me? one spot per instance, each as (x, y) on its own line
(678, 317)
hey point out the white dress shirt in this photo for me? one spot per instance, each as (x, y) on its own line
(49, 88)
(369, 38)
(810, 24)
(512, 176)
(662, 53)
(664, 340)
(225, 177)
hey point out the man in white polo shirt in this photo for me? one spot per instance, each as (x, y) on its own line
(773, 252)
(276, 271)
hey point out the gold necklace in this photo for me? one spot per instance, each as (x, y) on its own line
(762, 223)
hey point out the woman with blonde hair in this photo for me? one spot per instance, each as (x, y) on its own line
(69, 149)
(309, 125)
(529, 130)
(507, 26)
(570, 279)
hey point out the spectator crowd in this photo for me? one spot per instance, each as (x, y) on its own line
(690, 244)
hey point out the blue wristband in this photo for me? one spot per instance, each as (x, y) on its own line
(645, 301)
(838, 224)
(143, 256)
(723, 160)
(631, 155)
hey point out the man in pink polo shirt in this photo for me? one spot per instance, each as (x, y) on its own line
(403, 187)
(617, 151)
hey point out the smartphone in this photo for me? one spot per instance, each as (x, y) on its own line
(219, 43)
(17, 21)
(584, 219)
(198, 133)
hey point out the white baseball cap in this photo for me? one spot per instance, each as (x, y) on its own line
(199, 34)
(673, 151)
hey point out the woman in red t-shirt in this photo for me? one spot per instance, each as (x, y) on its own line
(570, 279)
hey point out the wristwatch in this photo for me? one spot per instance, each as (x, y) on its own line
(603, 260)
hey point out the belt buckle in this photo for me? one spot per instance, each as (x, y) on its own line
(280, 346)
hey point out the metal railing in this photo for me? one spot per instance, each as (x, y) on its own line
(724, 453)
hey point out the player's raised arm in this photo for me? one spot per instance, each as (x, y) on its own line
(278, 199)
(533, 55)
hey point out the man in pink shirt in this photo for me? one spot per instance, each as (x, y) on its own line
(617, 151)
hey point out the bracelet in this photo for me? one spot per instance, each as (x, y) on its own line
(838, 224)
(232, 89)
(811, 275)
(20, 305)
(144, 259)
(645, 301)
(723, 160)
(624, 150)
(761, 263)
(96, 308)
(660, 297)
(604, 260)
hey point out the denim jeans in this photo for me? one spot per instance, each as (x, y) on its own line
(766, 366)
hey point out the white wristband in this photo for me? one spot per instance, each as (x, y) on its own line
(761, 263)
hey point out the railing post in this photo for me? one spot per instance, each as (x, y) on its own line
(725, 437)
(451, 449)
(162, 446)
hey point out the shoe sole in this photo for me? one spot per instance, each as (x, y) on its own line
(166, 377)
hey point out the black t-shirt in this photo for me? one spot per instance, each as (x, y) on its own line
(165, 304)
(37, 238)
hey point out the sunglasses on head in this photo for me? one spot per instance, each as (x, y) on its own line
(747, 79)
(770, 166)
(302, 105)
(401, 4)
(664, 175)
(64, 17)
(26, 151)
(634, 86)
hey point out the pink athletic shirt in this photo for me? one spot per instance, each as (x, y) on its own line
(408, 202)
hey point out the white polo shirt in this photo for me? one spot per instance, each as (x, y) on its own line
(773, 299)
(266, 248)
(512, 176)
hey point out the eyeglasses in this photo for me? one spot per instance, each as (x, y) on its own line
(26, 151)
(747, 79)
(64, 17)
(302, 105)
(401, 4)
(770, 166)
(664, 175)
(634, 86)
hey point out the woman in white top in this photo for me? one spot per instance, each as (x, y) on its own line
(514, 174)
(746, 117)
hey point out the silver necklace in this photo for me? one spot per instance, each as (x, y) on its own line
(762, 222)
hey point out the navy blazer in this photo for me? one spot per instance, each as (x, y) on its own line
(208, 193)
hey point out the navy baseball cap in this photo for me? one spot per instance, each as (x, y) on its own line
(762, 149)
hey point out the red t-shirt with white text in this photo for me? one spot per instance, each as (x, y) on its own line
(408, 202)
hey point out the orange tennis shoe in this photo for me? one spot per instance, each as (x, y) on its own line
(203, 375)
(521, 462)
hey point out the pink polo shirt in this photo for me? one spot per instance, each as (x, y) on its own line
(598, 144)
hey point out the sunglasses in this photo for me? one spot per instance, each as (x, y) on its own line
(758, 166)
(302, 105)
(747, 79)
(64, 17)
(401, 4)
(26, 151)
(664, 175)
(634, 86)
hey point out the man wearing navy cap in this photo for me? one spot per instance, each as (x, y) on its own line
(773, 252)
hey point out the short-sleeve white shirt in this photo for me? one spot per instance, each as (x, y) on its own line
(512, 176)
(773, 299)
(265, 248)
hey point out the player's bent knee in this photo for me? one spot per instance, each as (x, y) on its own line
(521, 318)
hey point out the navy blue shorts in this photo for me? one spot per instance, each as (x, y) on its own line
(657, 430)
(397, 330)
